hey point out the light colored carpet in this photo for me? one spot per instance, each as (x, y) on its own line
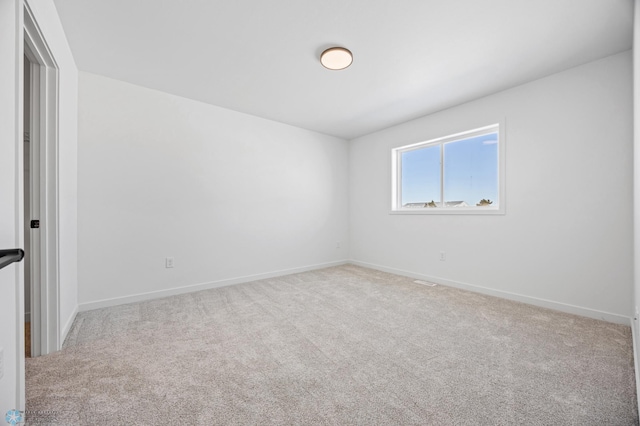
(337, 346)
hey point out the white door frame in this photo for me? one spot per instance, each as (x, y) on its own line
(45, 294)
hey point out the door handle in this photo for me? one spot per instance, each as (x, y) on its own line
(9, 256)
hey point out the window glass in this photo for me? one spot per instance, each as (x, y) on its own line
(471, 171)
(421, 177)
(460, 172)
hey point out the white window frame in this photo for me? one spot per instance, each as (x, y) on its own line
(498, 206)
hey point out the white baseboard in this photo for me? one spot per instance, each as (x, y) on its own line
(634, 333)
(558, 306)
(67, 327)
(104, 303)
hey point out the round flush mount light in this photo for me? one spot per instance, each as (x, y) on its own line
(336, 58)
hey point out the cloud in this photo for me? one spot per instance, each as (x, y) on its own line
(490, 142)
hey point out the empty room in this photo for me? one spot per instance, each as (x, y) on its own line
(336, 212)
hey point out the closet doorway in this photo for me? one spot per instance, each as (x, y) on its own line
(40, 165)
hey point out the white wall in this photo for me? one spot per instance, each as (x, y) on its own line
(566, 239)
(228, 195)
(11, 183)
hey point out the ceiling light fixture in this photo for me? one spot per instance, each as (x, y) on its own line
(336, 58)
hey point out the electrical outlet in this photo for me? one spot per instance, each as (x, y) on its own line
(1, 363)
(443, 256)
(168, 262)
(338, 245)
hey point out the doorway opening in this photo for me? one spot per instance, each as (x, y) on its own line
(40, 192)
(27, 205)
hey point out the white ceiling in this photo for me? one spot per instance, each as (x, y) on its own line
(411, 57)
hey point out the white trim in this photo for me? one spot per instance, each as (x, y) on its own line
(67, 326)
(544, 303)
(633, 321)
(20, 387)
(396, 173)
(104, 303)
(449, 210)
(48, 326)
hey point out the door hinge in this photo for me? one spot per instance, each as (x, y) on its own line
(35, 224)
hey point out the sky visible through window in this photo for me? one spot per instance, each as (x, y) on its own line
(470, 171)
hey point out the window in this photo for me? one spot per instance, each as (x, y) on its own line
(461, 173)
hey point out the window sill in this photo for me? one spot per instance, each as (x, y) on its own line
(453, 211)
